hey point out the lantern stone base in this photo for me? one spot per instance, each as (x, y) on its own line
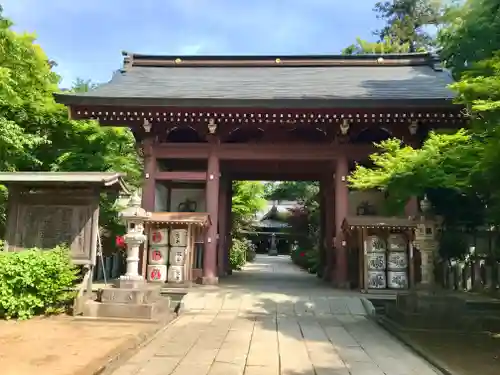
(135, 303)
(428, 310)
(125, 283)
(272, 252)
(208, 280)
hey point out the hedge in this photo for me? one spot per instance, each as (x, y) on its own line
(306, 259)
(241, 251)
(35, 281)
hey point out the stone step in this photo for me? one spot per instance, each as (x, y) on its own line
(126, 310)
(483, 306)
(129, 295)
(93, 319)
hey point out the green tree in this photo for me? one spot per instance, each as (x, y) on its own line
(465, 162)
(26, 82)
(407, 21)
(386, 46)
(471, 33)
(83, 85)
(444, 161)
(300, 191)
(25, 70)
(457, 171)
(303, 220)
(35, 132)
(247, 200)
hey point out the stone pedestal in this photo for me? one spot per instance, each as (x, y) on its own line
(273, 251)
(426, 242)
(427, 270)
(209, 280)
(135, 303)
(132, 276)
(133, 299)
(428, 310)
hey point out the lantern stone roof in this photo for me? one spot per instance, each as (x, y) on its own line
(317, 81)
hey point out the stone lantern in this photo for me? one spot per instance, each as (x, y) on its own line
(427, 243)
(133, 216)
(425, 205)
(273, 251)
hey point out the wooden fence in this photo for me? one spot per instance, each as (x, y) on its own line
(469, 275)
(109, 267)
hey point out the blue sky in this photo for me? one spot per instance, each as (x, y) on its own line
(86, 37)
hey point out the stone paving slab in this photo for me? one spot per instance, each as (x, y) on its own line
(274, 320)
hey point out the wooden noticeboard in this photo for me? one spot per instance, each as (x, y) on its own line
(46, 218)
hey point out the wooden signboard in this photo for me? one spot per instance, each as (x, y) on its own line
(47, 209)
(46, 219)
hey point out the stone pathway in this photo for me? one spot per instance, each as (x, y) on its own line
(273, 319)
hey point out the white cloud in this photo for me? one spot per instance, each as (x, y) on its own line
(190, 49)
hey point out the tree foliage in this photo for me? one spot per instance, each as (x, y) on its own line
(387, 45)
(35, 132)
(460, 168)
(247, 200)
(304, 220)
(408, 20)
(471, 33)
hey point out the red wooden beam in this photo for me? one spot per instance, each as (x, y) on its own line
(181, 150)
(181, 176)
(264, 152)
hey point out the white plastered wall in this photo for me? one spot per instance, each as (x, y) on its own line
(178, 196)
(374, 198)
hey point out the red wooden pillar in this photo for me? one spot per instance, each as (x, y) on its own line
(212, 202)
(322, 226)
(411, 207)
(341, 211)
(148, 190)
(222, 243)
(329, 226)
(149, 184)
(229, 225)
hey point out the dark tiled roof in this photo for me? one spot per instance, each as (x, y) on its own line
(378, 222)
(103, 179)
(196, 218)
(368, 77)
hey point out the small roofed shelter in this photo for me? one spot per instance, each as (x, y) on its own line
(47, 209)
(271, 226)
(380, 252)
(195, 225)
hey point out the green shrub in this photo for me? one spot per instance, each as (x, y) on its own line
(306, 259)
(313, 260)
(35, 282)
(237, 253)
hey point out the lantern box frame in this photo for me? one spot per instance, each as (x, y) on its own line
(196, 225)
(358, 228)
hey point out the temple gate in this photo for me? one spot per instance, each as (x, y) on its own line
(201, 122)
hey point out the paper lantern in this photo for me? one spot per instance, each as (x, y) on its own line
(158, 236)
(157, 255)
(178, 237)
(157, 273)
